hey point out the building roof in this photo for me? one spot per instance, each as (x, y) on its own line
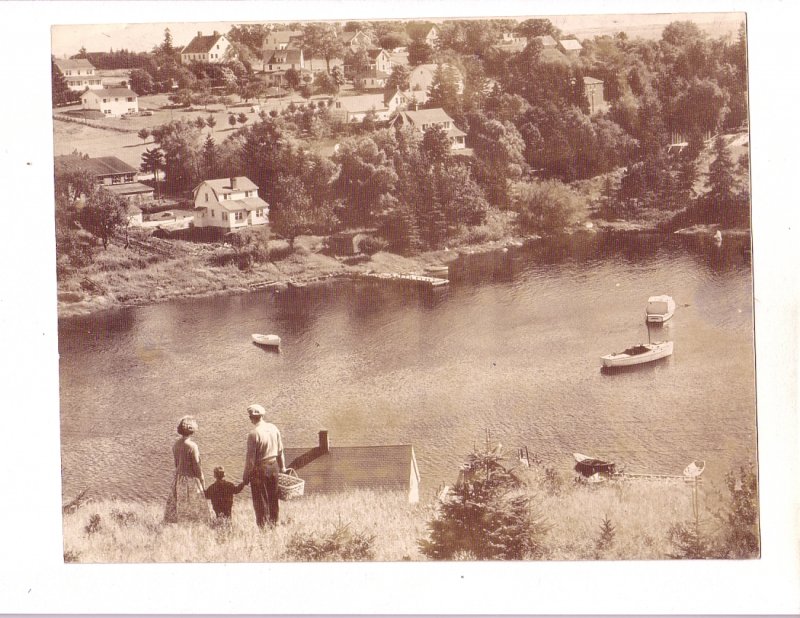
(129, 188)
(592, 80)
(570, 44)
(283, 56)
(426, 116)
(202, 44)
(282, 37)
(99, 166)
(551, 54)
(118, 91)
(245, 203)
(353, 467)
(547, 40)
(74, 63)
(374, 52)
(361, 103)
(222, 186)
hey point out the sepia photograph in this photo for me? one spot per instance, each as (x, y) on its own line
(406, 290)
(361, 308)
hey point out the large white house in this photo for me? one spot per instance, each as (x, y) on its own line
(112, 102)
(213, 49)
(79, 74)
(355, 109)
(229, 204)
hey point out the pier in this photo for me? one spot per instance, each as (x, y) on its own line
(420, 280)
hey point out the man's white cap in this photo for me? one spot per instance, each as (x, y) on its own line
(256, 410)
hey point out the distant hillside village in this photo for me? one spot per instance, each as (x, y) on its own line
(415, 130)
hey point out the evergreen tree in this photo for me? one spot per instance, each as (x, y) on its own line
(153, 162)
(210, 157)
(398, 79)
(61, 93)
(443, 91)
(721, 183)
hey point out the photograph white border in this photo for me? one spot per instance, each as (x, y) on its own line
(33, 577)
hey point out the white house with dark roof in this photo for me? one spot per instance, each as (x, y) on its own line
(424, 119)
(79, 74)
(212, 48)
(229, 204)
(111, 102)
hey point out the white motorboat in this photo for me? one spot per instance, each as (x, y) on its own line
(638, 354)
(659, 309)
(267, 340)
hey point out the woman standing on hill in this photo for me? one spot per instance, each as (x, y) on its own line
(187, 501)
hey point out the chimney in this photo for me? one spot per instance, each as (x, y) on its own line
(323, 440)
(233, 183)
(199, 33)
(216, 32)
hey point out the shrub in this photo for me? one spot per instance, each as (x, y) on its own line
(371, 245)
(547, 206)
(71, 556)
(487, 515)
(124, 518)
(94, 524)
(740, 537)
(341, 544)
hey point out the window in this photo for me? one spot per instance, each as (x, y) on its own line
(107, 111)
(105, 100)
(132, 110)
(206, 196)
(217, 46)
(224, 216)
(260, 212)
(239, 216)
(130, 99)
(115, 180)
(116, 99)
(212, 213)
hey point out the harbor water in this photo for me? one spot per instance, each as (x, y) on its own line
(512, 347)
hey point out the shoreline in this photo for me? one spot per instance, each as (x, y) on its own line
(303, 268)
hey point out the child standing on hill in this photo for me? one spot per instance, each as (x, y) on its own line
(221, 493)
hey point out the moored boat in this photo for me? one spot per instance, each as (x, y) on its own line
(267, 340)
(437, 271)
(694, 469)
(589, 466)
(638, 354)
(659, 309)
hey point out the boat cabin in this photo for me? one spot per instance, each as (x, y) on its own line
(588, 466)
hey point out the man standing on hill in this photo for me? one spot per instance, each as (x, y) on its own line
(264, 462)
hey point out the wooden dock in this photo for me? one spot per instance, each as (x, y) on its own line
(421, 280)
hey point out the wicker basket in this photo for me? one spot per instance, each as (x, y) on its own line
(290, 486)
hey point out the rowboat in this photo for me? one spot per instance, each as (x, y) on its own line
(659, 309)
(694, 469)
(638, 354)
(589, 466)
(437, 271)
(267, 340)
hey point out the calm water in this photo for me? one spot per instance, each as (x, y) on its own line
(513, 347)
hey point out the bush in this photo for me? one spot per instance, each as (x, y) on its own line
(94, 525)
(340, 545)
(547, 206)
(371, 245)
(740, 538)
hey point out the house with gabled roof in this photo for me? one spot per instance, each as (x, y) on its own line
(593, 88)
(111, 102)
(570, 47)
(213, 48)
(111, 173)
(423, 32)
(282, 39)
(330, 469)
(357, 40)
(79, 74)
(424, 119)
(547, 41)
(355, 108)
(380, 66)
(229, 204)
(421, 77)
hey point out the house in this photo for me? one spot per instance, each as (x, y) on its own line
(111, 173)
(355, 109)
(112, 102)
(421, 77)
(332, 469)
(593, 88)
(214, 49)
(356, 41)
(570, 47)
(424, 119)
(229, 204)
(79, 74)
(380, 66)
(320, 65)
(282, 39)
(276, 62)
(512, 42)
(426, 33)
(114, 78)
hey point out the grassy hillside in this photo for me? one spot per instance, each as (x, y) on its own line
(641, 512)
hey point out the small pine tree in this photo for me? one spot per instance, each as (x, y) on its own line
(211, 121)
(143, 134)
(242, 118)
(607, 533)
(487, 515)
(720, 175)
(232, 120)
(200, 122)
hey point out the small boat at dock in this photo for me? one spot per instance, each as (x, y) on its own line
(437, 271)
(638, 354)
(694, 469)
(589, 466)
(270, 341)
(659, 309)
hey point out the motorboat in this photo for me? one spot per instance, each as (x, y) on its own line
(659, 309)
(272, 341)
(694, 469)
(638, 354)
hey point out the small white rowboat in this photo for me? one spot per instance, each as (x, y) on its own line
(638, 354)
(267, 340)
(694, 469)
